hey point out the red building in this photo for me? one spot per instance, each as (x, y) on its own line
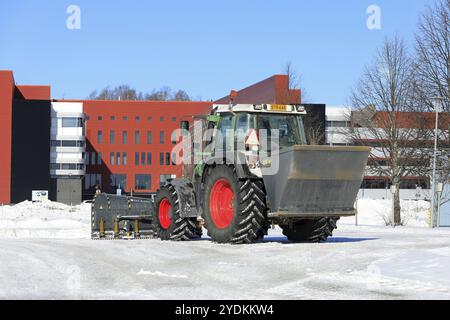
(24, 138)
(128, 143)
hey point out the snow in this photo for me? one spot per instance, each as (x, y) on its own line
(46, 253)
(45, 220)
(378, 212)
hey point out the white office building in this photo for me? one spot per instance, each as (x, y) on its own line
(337, 134)
(67, 149)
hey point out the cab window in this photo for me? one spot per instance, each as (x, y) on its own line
(225, 132)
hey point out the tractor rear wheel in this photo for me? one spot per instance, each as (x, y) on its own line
(168, 223)
(314, 230)
(235, 210)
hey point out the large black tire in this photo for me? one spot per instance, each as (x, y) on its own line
(175, 228)
(249, 210)
(315, 230)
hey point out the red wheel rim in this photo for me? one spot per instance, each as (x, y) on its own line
(221, 203)
(164, 213)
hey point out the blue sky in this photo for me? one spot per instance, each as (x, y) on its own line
(203, 47)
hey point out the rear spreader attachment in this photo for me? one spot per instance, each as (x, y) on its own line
(121, 217)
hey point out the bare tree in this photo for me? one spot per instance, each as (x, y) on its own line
(295, 79)
(433, 54)
(163, 94)
(181, 95)
(314, 126)
(293, 76)
(433, 75)
(386, 116)
(125, 92)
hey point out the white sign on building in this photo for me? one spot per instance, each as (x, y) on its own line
(39, 195)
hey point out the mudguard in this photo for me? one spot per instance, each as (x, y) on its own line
(240, 164)
(186, 195)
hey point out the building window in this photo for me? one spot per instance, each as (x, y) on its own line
(161, 119)
(68, 143)
(86, 158)
(338, 124)
(138, 118)
(99, 118)
(111, 158)
(149, 158)
(137, 137)
(167, 158)
(125, 137)
(111, 136)
(174, 119)
(67, 166)
(149, 119)
(143, 181)
(73, 143)
(99, 136)
(143, 158)
(93, 160)
(119, 162)
(113, 118)
(149, 137)
(136, 158)
(92, 180)
(161, 158)
(124, 118)
(118, 181)
(72, 122)
(161, 137)
(124, 156)
(99, 158)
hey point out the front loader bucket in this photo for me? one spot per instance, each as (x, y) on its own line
(316, 181)
(116, 217)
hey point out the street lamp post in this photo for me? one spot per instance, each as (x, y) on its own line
(437, 103)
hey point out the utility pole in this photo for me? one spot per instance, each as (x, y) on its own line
(437, 103)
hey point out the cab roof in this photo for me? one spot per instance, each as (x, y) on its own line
(260, 108)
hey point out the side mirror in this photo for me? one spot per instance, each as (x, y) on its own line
(184, 125)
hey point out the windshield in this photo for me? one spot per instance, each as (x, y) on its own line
(290, 128)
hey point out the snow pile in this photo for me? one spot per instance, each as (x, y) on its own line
(378, 212)
(45, 220)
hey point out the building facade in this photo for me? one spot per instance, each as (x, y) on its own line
(338, 131)
(73, 147)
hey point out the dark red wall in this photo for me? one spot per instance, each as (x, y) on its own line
(271, 90)
(172, 112)
(6, 97)
(33, 92)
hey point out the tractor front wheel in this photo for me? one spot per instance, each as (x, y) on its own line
(313, 230)
(235, 210)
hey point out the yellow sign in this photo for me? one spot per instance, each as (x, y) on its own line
(278, 107)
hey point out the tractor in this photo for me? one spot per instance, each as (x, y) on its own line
(246, 167)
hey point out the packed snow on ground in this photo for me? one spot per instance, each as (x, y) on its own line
(46, 253)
